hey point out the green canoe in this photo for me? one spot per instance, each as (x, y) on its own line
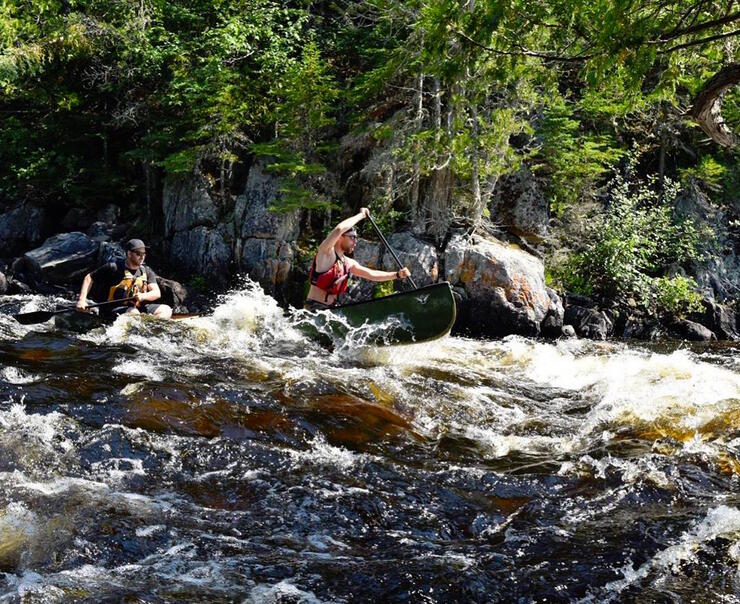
(80, 322)
(419, 315)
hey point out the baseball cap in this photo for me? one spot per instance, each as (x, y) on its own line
(134, 244)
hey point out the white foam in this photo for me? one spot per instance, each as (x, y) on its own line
(13, 375)
(138, 368)
(722, 521)
(322, 453)
(279, 592)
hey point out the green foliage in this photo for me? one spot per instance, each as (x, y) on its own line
(628, 247)
(303, 119)
(112, 84)
(709, 171)
(383, 288)
(575, 161)
(677, 296)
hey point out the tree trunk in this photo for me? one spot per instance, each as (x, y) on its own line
(418, 124)
(707, 107)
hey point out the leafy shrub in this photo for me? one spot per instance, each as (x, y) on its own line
(677, 295)
(630, 246)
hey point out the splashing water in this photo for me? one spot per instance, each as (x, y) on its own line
(232, 458)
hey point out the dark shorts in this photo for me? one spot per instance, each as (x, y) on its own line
(147, 309)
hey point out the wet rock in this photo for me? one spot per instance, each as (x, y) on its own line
(642, 328)
(99, 231)
(270, 263)
(22, 228)
(369, 254)
(109, 215)
(77, 219)
(552, 324)
(504, 287)
(588, 322)
(568, 331)
(186, 204)
(519, 203)
(174, 294)
(202, 251)
(3, 284)
(252, 215)
(578, 300)
(65, 258)
(266, 239)
(689, 330)
(110, 252)
(16, 286)
(719, 319)
(420, 258)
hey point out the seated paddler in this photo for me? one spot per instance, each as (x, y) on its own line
(128, 279)
(332, 268)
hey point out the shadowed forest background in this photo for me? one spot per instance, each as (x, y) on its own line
(618, 110)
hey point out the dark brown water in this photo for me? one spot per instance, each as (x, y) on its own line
(229, 458)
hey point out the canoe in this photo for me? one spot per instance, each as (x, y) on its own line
(80, 322)
(419, 315)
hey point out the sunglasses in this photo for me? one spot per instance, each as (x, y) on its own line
(353, 237)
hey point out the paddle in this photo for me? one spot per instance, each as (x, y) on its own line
(39, 316)
(390, 249)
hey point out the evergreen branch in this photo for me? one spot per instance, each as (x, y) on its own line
(526, 52)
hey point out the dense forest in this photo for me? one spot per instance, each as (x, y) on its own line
(617, 108)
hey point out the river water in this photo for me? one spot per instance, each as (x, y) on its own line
(229, 458)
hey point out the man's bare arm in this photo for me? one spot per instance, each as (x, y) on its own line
(375, 275)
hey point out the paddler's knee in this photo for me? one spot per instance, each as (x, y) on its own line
(163, 312)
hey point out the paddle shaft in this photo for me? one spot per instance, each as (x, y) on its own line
(39, 316)
(390, 249)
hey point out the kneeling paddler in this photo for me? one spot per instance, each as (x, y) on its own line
(127, 278)
(331, 267)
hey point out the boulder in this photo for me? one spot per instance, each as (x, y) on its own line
(77, 219)
(109, 215)
(269, 262)
(66, 257)
(567, 331)
(110, 252)
(369, 254)
(719, 319)
(420, 258)
(504, 287)
(3, 284)
(252, 215)
(640, 327)
(519, 203)
(173, 293)
(552, 324)
(588, 322)
(21, 228)
(99, 231)
(202, 251)
(186, 204)
(689, 330)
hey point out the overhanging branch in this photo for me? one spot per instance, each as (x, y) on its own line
(707, 107)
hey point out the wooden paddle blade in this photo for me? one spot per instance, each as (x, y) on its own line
(29, 318)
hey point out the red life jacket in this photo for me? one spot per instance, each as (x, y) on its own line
(333, 281)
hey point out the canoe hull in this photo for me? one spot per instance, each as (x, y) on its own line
(420, 315)
(80, 322)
